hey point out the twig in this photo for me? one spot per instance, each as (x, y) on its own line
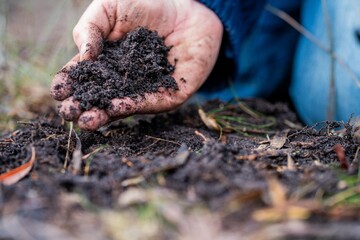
(332, 90)
(341, 196)
(290, 163)
(298, 27)
(242, 105)
(264, 153)
(201, 135)
(77, 156)
(68, 146)
(164, 140)
(91, 153)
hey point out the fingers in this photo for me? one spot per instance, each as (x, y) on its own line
(61, 86)
(69, 109)
(93, 119)
(162, 101)
(88, 120)
(94, 26)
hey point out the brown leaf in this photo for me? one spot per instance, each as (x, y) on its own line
(280, 214)
(209, 121)
(290, 163)
(340, 153)
(16, 174)
(277, 192)
(279, 141)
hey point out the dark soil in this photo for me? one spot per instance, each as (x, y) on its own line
(189, 158)
(130, 67)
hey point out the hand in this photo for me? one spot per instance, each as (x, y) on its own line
(193, 31)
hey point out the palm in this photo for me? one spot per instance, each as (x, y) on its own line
(193, 31)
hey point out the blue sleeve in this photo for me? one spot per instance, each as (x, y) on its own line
(237, 16)
(257, 48)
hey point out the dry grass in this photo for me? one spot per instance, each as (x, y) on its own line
(37, 41)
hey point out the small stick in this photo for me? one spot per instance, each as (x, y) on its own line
(68, 146)
(290, 163)
(297, 26)
(264, 153)
(77, 156)
(164, 140)
(201, 135)
(332, 91)
(91, 153)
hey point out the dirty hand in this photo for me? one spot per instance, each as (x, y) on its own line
(193, 31)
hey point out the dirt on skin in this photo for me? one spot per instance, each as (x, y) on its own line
(177, 151)
(130, 67)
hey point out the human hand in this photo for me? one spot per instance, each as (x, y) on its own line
(193, 31)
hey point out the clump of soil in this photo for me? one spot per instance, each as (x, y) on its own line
(130, 67)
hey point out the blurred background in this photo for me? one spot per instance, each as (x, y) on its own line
(35, 42)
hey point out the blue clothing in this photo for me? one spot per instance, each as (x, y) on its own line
(261, 52)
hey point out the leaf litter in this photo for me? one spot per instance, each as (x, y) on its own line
(243, 178)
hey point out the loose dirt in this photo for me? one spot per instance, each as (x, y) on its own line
(236, 172)
(130, 67)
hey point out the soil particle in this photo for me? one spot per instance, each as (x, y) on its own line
(130, 67)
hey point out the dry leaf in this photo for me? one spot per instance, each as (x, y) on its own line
(281, 214)
(279, 141)
(277, 193)
(16, 174)
(340, 153)
(290, 163)
(209, 121)
(132, 181)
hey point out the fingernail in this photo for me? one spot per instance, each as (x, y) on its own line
(61, 87)
(85, 47)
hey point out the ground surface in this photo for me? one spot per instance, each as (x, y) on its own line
(166, 176)
(261, 176)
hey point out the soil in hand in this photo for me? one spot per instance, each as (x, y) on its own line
(130, 67)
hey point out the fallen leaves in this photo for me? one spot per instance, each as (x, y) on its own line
(279, 140)
(340, 153)
(16, 174)
(208, 120)
(281, 208)
(264, 153)
(236, 117)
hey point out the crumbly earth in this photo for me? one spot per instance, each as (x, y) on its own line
(229, 173)
(130, 67)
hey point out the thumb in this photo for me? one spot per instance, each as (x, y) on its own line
(89, 42)
(94, 26)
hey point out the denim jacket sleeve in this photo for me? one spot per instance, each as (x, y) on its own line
(257, 48)
(237, 16)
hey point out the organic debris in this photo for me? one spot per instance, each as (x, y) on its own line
(253, 179)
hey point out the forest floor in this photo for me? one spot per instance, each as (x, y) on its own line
(244, 169)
